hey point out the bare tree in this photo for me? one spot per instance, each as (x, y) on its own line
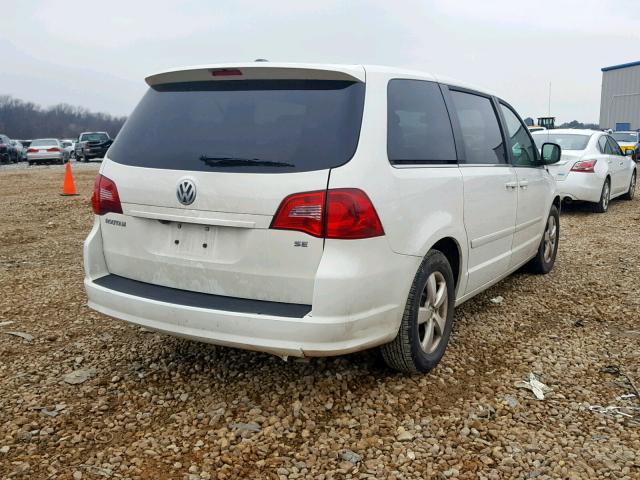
(20, 119)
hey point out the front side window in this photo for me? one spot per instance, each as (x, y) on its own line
(418, 126)
(480, 129)
(523, 150)
(614, 148)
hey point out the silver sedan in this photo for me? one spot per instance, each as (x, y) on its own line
(45, 150)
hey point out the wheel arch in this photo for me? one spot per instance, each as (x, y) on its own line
(451, 249)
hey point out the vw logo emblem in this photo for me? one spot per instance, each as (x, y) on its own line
(186, 192)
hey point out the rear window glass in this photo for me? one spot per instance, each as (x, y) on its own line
(44, 142)
(258, 126)
(630, 137)
(567, 141)
(418, 125)
(93, 137)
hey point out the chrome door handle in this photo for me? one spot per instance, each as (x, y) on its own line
(524, 184)
(621, 163)
(511, 185)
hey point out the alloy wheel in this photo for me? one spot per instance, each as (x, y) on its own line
(550, 239)
(432, 313)
(605, 196)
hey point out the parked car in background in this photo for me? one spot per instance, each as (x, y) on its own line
(20, 150)
(68, 149)
(592, 167)
(45, 150)
(25, 143)
(629, 142)
(92, 145)
(8, 151)
(249, 216)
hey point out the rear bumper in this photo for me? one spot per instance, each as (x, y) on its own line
(44, 157)
(353, 308)
(283, 336)
(581, 186)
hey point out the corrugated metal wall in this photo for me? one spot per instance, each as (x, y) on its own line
(620, 98)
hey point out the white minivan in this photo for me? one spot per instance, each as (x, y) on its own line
(314, 210)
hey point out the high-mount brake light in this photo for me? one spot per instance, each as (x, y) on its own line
(226, 72)
(341, 213)
(586, 166)
(105, 198)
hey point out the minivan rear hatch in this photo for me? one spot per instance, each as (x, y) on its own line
(203, 163)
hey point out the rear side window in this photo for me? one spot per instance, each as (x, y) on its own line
(481, 132)
(418, 125)
(245, 126)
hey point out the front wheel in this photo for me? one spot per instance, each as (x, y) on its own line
(427, 320)
(632, 188)
(548, 249)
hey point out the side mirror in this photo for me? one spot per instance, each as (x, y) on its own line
(551, 153)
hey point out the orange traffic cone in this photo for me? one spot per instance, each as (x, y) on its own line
(69, 186)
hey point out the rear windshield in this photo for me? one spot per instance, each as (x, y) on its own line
(46, 142)
(567, 141)
(631, 137)
(259, 126)
(94, 137)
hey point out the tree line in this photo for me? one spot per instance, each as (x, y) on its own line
(27, 120)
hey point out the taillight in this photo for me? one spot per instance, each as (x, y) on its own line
(53, 149)
(32, 150)
(226, 72)
(351, 215)
(584, 166)
(302, 212)
(342, 213)
(105, 197)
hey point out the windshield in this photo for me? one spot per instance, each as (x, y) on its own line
(94, 137)
(567, 141)
(266, 126)
(45, 142)
(625, 137)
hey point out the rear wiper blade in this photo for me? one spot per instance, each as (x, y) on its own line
(241, 162)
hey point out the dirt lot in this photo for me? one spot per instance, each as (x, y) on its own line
(160, 407)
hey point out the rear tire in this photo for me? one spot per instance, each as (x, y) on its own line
(427, 320)
(544, 260)
(632, 188)
(605, 196)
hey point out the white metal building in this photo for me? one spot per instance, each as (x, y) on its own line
(620, 98)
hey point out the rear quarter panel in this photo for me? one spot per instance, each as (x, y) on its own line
(417, 206)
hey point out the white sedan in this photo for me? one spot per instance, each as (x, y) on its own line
(592, 167)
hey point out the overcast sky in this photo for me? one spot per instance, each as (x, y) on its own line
(96, 54)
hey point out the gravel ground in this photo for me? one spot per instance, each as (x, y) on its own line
(160, 407)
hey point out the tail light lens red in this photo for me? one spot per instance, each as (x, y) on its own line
(226, 72)
(342, 213)
(32, 150)
(105, 197)
(53, 149)
(584, 166)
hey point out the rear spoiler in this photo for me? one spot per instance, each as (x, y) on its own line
(259, 71)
